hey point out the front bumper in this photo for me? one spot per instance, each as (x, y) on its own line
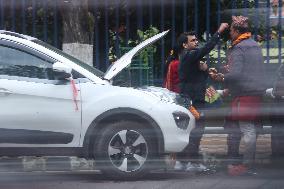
(176, 137)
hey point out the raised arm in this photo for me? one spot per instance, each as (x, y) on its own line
(201, 52)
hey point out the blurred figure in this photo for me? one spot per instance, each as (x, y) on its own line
(275, 7)
(276, 117)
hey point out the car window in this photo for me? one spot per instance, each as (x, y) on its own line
(15, 62)
(71, 58)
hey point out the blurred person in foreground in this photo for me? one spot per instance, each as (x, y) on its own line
(193, 75)
(244, 82)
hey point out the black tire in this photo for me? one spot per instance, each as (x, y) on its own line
(125, 150)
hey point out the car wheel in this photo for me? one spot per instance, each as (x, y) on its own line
(125, 150)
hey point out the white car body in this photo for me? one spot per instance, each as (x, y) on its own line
(37, 107)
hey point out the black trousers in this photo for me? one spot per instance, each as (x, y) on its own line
(191, 151)
(233, 138)
(197, 94)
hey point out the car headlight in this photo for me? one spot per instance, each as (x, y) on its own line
(181, 119)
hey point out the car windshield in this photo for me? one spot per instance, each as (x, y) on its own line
(71, 58)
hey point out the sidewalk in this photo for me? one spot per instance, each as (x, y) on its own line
(216, 145)
(212, 145)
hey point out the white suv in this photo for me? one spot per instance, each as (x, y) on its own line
(55, 105)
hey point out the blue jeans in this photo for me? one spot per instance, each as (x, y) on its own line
(248, 131)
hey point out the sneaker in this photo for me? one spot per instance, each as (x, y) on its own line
(179, 166)
(193, 167)
(251, 172)
(202, 167)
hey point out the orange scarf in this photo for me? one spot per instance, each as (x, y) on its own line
(241, 38)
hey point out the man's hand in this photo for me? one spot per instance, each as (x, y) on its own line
(226, 92)
(223, 27)
(217, 77)
(226, 68)
(212, 71)
(203, 66)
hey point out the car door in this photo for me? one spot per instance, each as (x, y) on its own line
(36, 109)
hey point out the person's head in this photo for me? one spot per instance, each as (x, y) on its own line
(239, 26)
(173, 53)
(187, 40)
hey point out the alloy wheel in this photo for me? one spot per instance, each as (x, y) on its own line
(128, 150)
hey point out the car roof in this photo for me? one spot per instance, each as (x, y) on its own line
(22, 36)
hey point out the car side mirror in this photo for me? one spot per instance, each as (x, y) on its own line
(61, 71)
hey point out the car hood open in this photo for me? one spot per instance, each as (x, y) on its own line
(125, 60)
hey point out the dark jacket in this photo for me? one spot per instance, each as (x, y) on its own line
(189, 71)
(192, 79)
(246, 69)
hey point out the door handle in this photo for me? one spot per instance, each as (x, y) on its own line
(5, 92)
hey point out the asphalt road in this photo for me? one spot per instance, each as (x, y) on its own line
(13, 175)
(268, 177)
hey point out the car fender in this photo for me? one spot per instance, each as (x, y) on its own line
(118, 114)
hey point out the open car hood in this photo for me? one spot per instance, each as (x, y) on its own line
(125, 60)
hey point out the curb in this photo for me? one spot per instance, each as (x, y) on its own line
(32, 163)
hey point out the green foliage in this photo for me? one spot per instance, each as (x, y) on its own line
(112, 54)
(146, 53)
(143, 55)
(213, 55)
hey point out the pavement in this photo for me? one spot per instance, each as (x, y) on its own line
(216, 145)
